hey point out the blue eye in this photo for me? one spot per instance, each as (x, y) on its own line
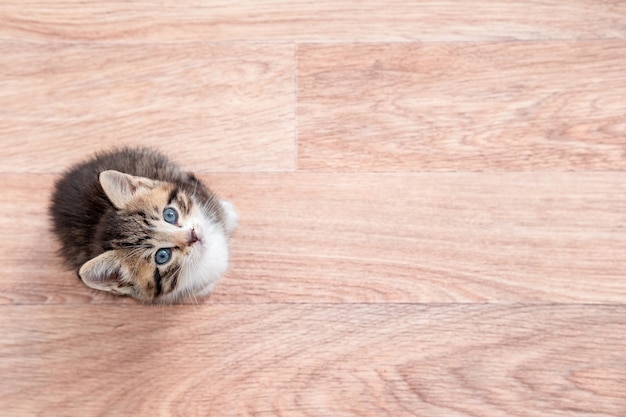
(170, 215)
(163, 256)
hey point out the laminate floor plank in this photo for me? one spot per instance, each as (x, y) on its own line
(432, 201)
(305, 21)
(444, 107)
(218, 107)
(310, 360)
(429, 238)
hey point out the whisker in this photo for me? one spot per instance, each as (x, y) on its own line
(194, 306)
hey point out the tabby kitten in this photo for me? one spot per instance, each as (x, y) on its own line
(131, 222)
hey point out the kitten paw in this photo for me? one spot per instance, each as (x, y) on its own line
(231, 218)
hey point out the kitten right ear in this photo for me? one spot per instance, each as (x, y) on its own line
(122, 188)
(104, 273)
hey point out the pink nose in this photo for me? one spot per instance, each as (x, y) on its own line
(193, 238)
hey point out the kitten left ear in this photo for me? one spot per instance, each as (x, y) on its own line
(104, 273)
(122, 188)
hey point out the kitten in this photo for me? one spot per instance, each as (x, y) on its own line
(131, 222)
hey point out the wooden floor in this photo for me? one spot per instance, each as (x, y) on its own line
(432, 200)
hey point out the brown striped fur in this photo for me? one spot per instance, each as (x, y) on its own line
(108, 214)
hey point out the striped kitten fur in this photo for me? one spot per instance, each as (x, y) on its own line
(131, 222)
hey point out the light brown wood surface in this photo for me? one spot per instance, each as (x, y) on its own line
(214, 100)
(306, 21)
(315, 359)
(497, 106)
(349, 238)
(432, 200)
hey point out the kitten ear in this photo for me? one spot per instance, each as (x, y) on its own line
(104, 273)
(121, 188)
(231, 218)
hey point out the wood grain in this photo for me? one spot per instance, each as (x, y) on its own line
(430, 238)
(215, 107)
(432, 198)
(302, 20)
(305, 360)
(493, 106)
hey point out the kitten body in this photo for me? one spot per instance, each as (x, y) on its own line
(131, 222)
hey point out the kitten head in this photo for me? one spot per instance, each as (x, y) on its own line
(161, 244)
